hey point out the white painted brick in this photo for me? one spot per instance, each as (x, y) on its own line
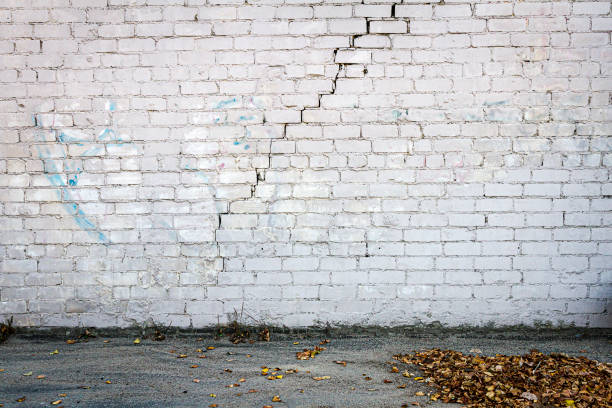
(331, 155)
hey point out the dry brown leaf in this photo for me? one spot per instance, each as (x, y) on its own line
(194, 366)
(181, 356)
(71, 341)
(342, 363)
(56, 402)
(40, 377)
(276, 398)
(325, 377)
(196, 380)
(20, 399)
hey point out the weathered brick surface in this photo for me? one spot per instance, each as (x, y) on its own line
(310, 162)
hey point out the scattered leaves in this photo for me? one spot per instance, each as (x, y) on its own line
(309, 353)
(534, 379)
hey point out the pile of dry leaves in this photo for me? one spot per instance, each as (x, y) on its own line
(532, 380)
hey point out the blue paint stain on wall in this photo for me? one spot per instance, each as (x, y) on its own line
(54, 177)
(495, 103)
(225, 103)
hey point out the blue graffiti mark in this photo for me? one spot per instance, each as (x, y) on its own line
(396, 114)
(108, 133)
(54, 177)
(242, 117)
(495, 103)
(111, 106)
(63, 137)
(225, 103)
(73, 180)
(246, 147)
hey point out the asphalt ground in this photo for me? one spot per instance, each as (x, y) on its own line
(115, 372)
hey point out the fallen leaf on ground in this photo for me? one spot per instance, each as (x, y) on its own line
(534, 379)
(21, 399)
(194, 366)
(276, 398)
(309, 353)
(342, 363)
(40, 377)
(62, 395)
(212, 395)
(387, 381)
(368, 378)
(137, 341)
(71, 341)
(213, 405)
(264, 335)
(210, 348)
(108, 381)
(325, 377)
(419, 393)
(106, 341)
(195, 380)
(29, 373)
(181, 356)
(476, 350)
(56, 402)
(251, 391)
(54, 352)
(394, 369)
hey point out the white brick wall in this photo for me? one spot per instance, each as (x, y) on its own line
(334, 161)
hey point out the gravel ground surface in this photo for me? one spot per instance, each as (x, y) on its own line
(151, 374)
